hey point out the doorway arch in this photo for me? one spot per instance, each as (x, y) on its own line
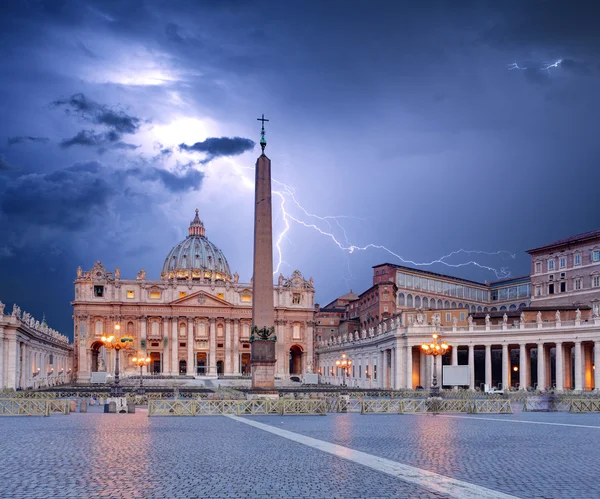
(296, 359)
(97, 349)
(219, 367)
(182, 367)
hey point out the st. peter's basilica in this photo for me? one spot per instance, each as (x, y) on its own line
(195, 320)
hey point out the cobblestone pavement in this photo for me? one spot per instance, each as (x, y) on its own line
(131, 456)
(494, 451)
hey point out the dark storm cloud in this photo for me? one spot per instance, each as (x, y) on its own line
(23, 139)
(114, 118)
(216, 147)
(67, 198)
(4, 165)
(102, 140)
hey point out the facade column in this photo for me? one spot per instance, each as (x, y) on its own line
(596, 365)
(488, 365)
(174, 347)
(213, 348)
(560, 365)
(505, 367)
(165, 356)
(143, 344)
(228, 348)
(471, 367)
(578, 367)
(191, 371)
(409, 368)
(236, 346)
(392, 368)
(522, 366)
(541, 367)
(454, 356)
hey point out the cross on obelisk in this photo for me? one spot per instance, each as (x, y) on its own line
(263, 337)
(263, 142)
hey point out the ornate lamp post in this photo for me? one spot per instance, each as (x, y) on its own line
(117, 343)
(435, 348)
(141, 361)
(343, 364)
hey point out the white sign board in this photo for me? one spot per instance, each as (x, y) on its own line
(456, 375)
(99, 377)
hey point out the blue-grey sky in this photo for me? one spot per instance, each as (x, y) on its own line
(428, 126)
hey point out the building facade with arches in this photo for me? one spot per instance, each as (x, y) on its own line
(195, 320)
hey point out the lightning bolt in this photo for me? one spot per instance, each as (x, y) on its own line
(512, 66)
(288, 193)
(553, 65)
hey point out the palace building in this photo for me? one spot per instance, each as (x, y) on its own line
(538, 331)
(195, 320)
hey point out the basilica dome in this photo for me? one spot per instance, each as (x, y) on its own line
(196, 257)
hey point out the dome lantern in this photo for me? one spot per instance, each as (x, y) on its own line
(196, 226)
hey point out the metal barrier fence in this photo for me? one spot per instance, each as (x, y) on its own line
(561, 404)
(255, 407)
(585, 405)
(33, 407)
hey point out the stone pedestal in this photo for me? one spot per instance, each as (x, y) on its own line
(263, 364)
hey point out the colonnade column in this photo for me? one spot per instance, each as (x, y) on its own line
(2, 363)
(174, 347)
(453, 361)
(409, 368)
(488, 365)
(165, 357)
(522, 366)
(560, 364)
(399, 372)
(541, 367)
(505, 367)
(190, 347)
(213, 348)
(236, 346)
(578, 367)
(227, 346)
(471, 367)
(11, 374)
(596, 365)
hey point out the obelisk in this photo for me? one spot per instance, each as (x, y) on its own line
(263, 337)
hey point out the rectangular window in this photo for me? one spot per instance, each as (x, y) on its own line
(400, 280)
(130, 293)
(538, 267)
(512, 292)
(353, 372)
(417, 283)
(596, 281)
(409, 281)
(577, 259)
(562, 262)
(577, 284)
(154, 295)
(360, 371)
(538, 291)
(550, 289)
(462, 316)
(503, 294)
(448, 317)
(385, 309)
(296, 298)
(438, 286)
(319, 338)
(563, 287)
(596, 255)
(494, 295)
(550, 265)
(374, 371)
(99, 291)
(182, 294)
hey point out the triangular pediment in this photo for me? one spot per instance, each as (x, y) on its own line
(201, 299)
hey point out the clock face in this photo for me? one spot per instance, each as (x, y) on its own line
(98, 273)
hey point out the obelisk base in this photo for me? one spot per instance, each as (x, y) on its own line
(263, 364)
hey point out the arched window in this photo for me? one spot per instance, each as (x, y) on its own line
(453, 304)
(493, 309)
(155, 329)
(99, 328)
(446, 304)
(409, 300)
(512, 307)
(401, 300)
(479, 309)
(460, 305)
(439, 304)
(522, 305)
(417, 301)
(130, 328)
(502, 308)
(425, 302)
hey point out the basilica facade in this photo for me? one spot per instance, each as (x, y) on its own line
(195, 320)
